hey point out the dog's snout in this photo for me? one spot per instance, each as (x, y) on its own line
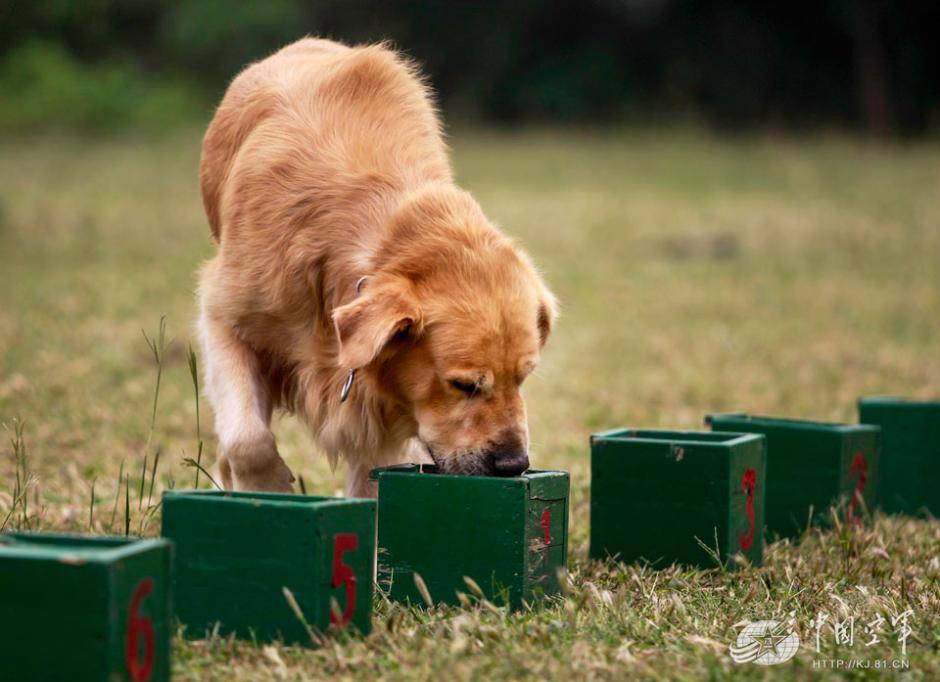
(510, 463)
(510, 457)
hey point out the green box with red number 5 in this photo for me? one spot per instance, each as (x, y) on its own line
(84, 608)
(685, 497)
(237, 552)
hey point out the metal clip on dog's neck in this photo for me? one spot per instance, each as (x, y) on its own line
(347, 385)
(344, 393)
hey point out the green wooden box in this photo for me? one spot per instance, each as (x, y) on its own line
(84, 608)
(236, 552)
(910, 452)
(656, 495)
(510, 535)
(811, 466)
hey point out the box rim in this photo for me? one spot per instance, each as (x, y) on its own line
(898, 401)
(50, 550)
(279, 499)
(681, 437)
(408, 470)
(807, 424)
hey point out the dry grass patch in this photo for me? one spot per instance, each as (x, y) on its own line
(696, 275)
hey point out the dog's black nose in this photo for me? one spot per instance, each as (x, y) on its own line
(510, 463)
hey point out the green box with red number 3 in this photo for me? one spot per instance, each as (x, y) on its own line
(685, 497)
(509, 535)
(84, 608)
(811, 466)
(237, 552)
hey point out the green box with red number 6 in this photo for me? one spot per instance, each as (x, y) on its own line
(242, 558)
(84, 608)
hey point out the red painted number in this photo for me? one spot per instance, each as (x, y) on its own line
(139, 628)
(748, 484)
(546, 523)
(858, 468)
(343, 574)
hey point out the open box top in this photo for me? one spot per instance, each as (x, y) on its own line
(678, 437)
(898, 401)
(739, 418)
(78, 549)
(258, 498)
(419, 469)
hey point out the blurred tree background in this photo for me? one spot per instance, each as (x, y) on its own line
(869, 65)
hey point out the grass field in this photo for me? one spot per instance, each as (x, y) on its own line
(696, 274)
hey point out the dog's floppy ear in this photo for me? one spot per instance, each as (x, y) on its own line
(366, 324)
(547, 314)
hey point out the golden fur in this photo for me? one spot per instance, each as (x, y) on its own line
(325, 164)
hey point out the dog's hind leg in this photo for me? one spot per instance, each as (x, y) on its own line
(248, 457)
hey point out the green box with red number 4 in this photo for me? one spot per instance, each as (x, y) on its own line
(237, 552)
(685, 497)
(509, 535)
(84, 608)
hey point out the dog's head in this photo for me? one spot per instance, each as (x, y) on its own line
(451, 327)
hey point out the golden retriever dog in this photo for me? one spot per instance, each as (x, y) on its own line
(355, 284)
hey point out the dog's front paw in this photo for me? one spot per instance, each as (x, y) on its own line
(255, 465)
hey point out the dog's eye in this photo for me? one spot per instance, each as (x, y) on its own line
(465, 387)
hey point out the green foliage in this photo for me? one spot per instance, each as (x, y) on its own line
(217, 38)
(45, 87)
(120, 62)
